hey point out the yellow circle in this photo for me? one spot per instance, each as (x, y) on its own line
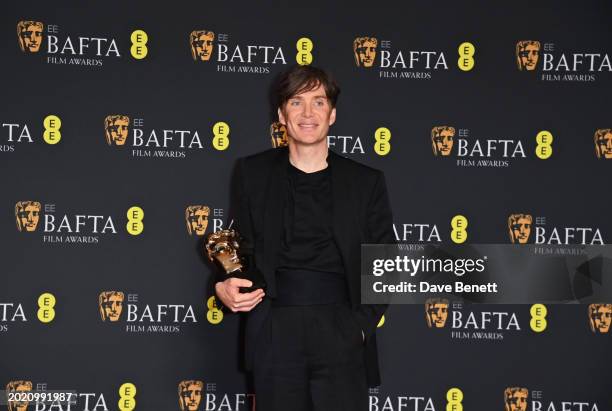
(214, 316)
(57, 122)
(303, 59)
(538, 324)
(304, 44)
(454, 406)
(126, 403)
(139, 33)
(135, 213)
(221, 129)
(544, 137)
(465, 64)
(134, 227)
(221, 143)
(125, 387)
(46, 300)
(139, 51)
(45, 315)
(459, 222)
(454, 395)
(466, 49)
(538, 310)
(52, 136)
(381, 322)
(382, 134)
(211, 303)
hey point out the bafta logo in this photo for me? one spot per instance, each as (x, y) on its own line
(190, 394)
(600, 316)
(519, 228)
(603, 143)
(27, 214)
(18, 387)
(442, 140)
(116, 129)
(29, 35)
(196, 217)
(278, 132)
(364, 49)
(436, 312)
(111, 304)
(515, 398)
(527, 54)
(201, 42)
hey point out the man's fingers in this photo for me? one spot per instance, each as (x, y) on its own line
(240, 282)
(250, 306)
(239, 297)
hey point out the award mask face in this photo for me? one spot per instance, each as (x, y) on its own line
(222, 248)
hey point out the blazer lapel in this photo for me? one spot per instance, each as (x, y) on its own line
(276, 194)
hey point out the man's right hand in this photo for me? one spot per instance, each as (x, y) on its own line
(229, 293)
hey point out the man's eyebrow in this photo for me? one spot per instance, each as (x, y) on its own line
(301, 98)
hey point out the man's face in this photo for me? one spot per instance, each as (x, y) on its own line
(31, 36)
(366, 53)
(517, 401)
(444, 142)
(307, 117)
(29, 216)
(203, 45)
(604, 144)
(438, 314)
(19, 405)
(521, 230)
(192, 395)
(198, 221)
(529, 56)
(113, 307)
(602, 318)
(118, 131)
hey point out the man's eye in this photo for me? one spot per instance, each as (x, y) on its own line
(295, 103)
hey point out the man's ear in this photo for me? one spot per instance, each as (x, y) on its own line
(281, 117)
(332, 116)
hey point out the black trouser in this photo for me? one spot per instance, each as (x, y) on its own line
(310, 357)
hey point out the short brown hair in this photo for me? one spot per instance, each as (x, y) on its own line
(299, 79)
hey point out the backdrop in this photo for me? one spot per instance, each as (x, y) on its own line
(121, 123)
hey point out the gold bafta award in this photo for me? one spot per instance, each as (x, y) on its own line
(223, 250)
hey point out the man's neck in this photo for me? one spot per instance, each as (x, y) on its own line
(308, 158)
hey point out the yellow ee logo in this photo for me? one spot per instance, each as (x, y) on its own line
(221, 132)
(214, 315)
(139, 48)
(46, 313)
(304, 47)
(135, 225)
(466, 56)
(538, 317)
(454, 396)
(52, 134)
(544, 148)
(127, 392)
(382, 135)
(381, 322)
(459, 233)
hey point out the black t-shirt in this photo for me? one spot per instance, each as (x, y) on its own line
(308, 242)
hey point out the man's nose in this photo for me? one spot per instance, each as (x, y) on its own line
(307, 110)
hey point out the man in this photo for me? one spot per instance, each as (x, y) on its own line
(304, 212)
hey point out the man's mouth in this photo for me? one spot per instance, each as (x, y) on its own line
(308, 126)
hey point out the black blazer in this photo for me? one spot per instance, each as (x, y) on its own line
(362, 214)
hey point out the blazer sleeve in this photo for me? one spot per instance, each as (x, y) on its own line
(380, 231)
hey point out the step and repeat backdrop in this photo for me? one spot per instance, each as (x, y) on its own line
(120, 126)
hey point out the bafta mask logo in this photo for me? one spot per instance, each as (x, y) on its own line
(116, 129)
(442, 140)
(201, 42)
(222, 247)
(436, 312)
(111, 305)
(603, 143)
(600, 316)
(27, 214)
(527, 54)
(278, 132)
(364, 49)
(515, 398)
(519, 228)
(196, 217)
(29, 35)
(190, 394)
(18, 387)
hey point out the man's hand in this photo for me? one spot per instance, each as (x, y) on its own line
(229, 293)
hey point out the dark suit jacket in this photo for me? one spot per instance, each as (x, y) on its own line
(362, 214)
